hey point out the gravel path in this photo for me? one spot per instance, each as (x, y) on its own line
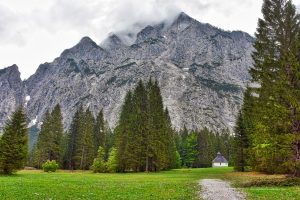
(215, 189)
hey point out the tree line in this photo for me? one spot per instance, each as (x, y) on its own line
(268, 127)
(143, 140)
(199, 148)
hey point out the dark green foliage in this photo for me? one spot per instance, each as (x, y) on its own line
(84, 143)
(275, 127)
(178, 160)
(14, 143)
(50, 144)
(206, 148)
(199, 148)
(99, 134)
(72, 136)
(50, 166)
(241, 144)
(109, 140)
(144, 135)
(242, 133)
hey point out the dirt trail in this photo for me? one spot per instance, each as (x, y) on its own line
(215, 189)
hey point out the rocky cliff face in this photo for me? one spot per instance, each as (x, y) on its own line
(201, 69)
(11, 92)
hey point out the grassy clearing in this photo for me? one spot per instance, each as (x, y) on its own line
(264, 187)
(175, 184)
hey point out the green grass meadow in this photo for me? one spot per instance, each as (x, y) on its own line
(174, 184)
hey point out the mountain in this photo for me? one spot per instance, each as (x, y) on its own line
(11, 92)
(202, 70)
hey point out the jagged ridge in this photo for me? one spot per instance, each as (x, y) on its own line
(202, 71)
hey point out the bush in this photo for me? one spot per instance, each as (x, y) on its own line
(178, 160)
(112, 163)
(99, 165)
(50, 166)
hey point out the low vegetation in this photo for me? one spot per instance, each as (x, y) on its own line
(262, 186)
(50, 166)
(174, 184)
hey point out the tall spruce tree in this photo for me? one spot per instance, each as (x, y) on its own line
(14, 143)
(99, 134)
(84, 147)
(144, 137)
(123, 133)
(72, 138)
(275, 140)
(50, 140)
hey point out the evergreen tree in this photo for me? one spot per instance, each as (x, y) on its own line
(14, 143)
(124, 132)
(183, 146)
(204, 148)
(276, 123)
(72, 137)
(57, 133)
(99, 165)
(109, 140)
(178, 160)
(84, 143)
(99, 134)
(112, 163)
(240, 144)
(144, 136)
(50, 141)
(191, 150)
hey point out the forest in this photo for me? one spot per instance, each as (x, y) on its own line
(143, 140)
(266, 136)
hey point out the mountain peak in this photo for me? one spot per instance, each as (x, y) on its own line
(87, 41)
(83, 47)
(11, 70)
(183, 17)
(112, 42)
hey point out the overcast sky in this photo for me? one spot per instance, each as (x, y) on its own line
(37, 31)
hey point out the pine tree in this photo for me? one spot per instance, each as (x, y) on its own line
(191, 149)
(84, 144)
(204, 148)
(112, 162)
(109, 140)
(144, 136)
(57, 133)
(276, 70)
(50, 141)
(241, 144)
(124, 132)
(170, 141)
(99, 165)
(99, 134)
(72, 138)
(14, 143)
(183, 148)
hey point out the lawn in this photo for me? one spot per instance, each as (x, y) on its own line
(175, 184)
(263, 192)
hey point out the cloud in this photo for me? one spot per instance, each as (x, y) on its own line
(34, 31)
(10, 27)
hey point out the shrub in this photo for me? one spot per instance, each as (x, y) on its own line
(178, 160)
(50, 166)
(112, 162)
(99, 164)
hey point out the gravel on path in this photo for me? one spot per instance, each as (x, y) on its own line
(215, 189)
